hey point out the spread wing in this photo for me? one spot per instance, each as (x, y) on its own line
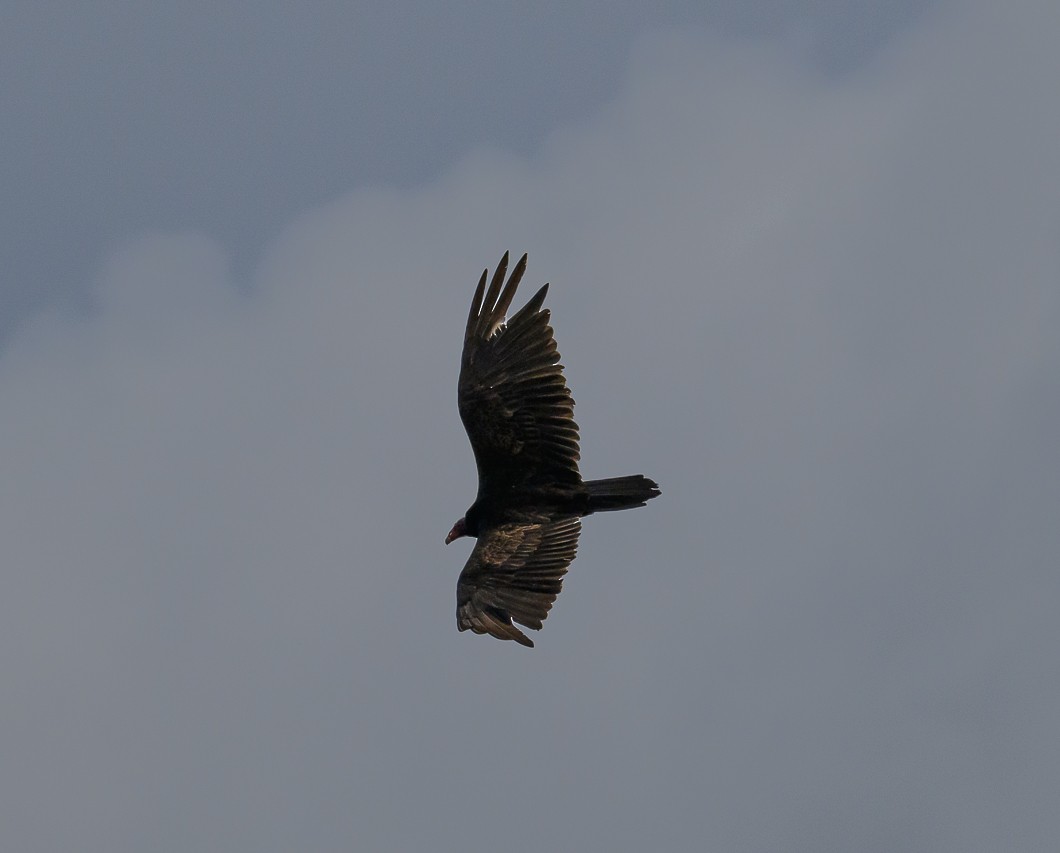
(514, 574)
(513, 400)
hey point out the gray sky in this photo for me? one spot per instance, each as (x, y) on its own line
(230, 116)
(805, 274)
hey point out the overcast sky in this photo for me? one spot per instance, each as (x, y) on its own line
(805, 266)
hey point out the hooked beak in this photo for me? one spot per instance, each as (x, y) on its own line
(459, 529)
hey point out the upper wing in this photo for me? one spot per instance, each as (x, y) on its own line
(513, 401)
(514, 574)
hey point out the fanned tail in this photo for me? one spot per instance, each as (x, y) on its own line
(620, 493)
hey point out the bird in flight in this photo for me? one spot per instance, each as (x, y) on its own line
(519, 416)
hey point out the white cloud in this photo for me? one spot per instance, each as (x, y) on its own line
(819, 311)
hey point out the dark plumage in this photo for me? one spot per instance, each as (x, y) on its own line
(519, 416)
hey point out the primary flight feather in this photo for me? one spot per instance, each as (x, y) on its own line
(519, 416)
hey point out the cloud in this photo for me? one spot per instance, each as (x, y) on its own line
(818, 310)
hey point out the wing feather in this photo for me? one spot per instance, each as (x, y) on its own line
(513, 576)
(514, 402)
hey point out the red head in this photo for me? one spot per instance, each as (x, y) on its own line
(459, 529)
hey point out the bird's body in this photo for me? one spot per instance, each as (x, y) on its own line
(519, 416)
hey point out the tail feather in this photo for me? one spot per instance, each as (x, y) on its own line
(620, 493)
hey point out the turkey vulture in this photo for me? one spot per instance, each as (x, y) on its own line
(519, 416)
